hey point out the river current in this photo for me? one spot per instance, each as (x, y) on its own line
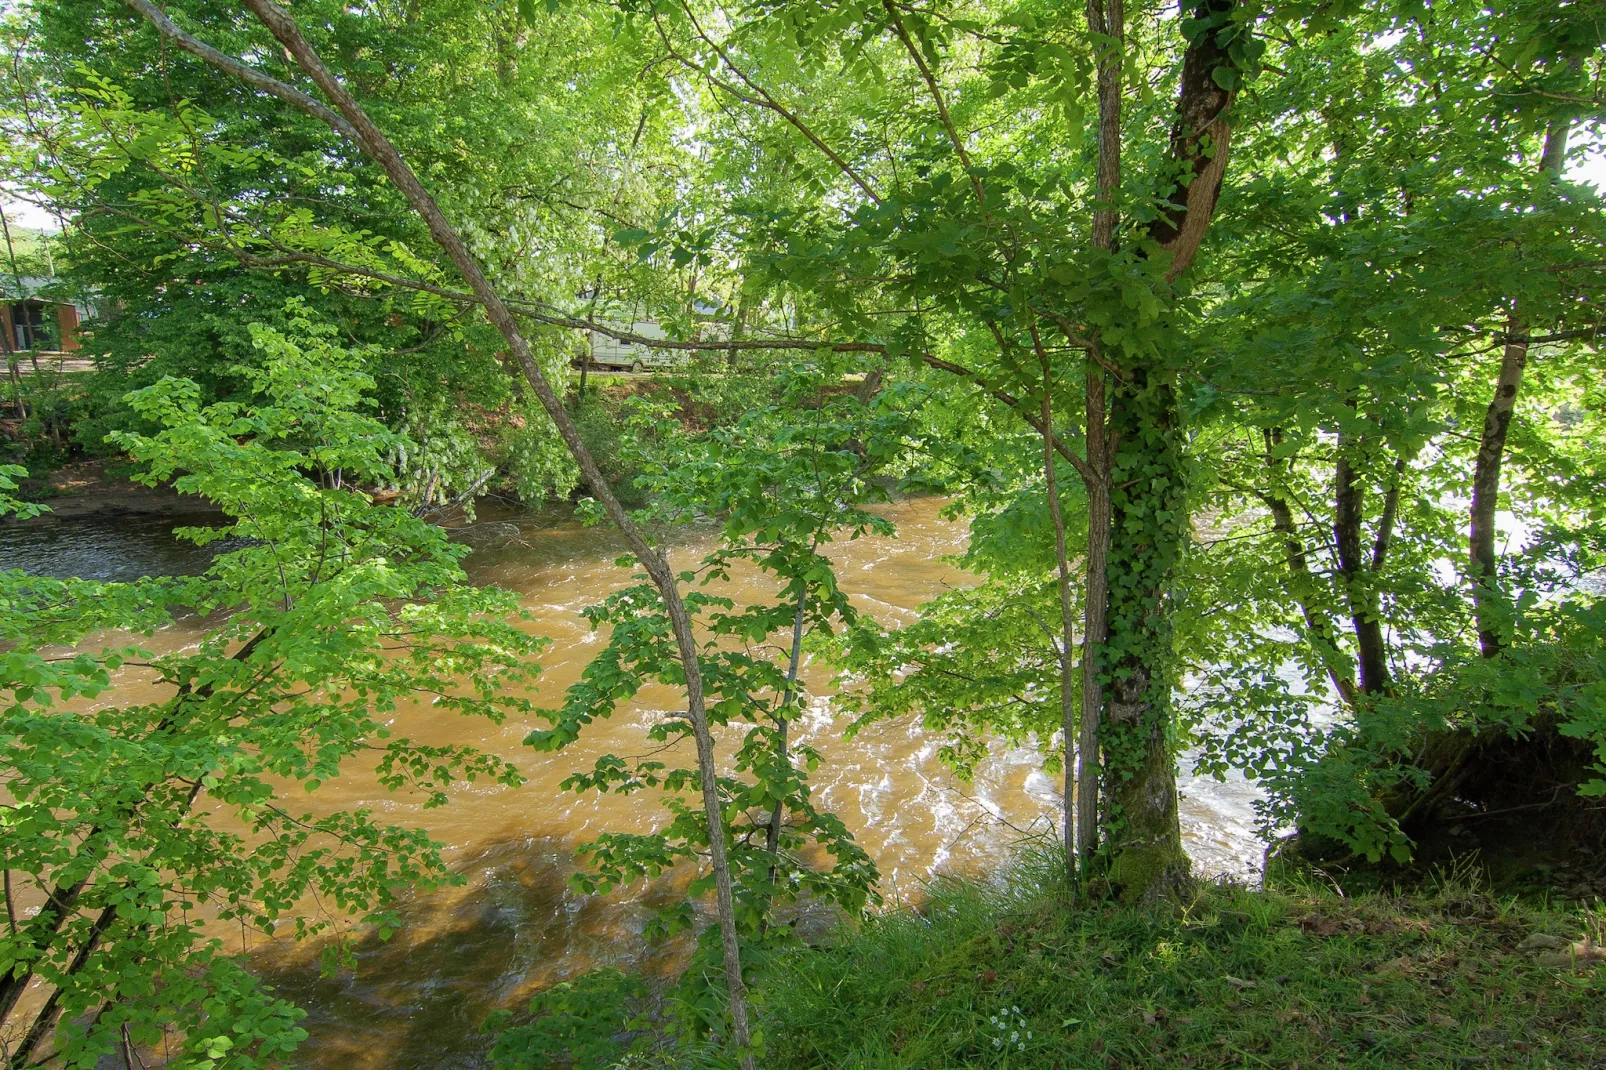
(514, 925)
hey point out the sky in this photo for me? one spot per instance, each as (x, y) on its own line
(1591, 169)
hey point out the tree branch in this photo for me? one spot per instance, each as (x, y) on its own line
(354, 123)
(937, 98)
(763, 100)
(242, 71)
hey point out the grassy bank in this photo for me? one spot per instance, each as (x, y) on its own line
(1008, 976)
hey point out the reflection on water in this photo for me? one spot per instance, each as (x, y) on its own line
(102, 548)
(418, 999)
(515, 926)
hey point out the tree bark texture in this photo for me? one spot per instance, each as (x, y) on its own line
(1107, 19)
(1150, 527)
(1200, 137)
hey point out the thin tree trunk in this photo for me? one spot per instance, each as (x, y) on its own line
(772, 840)
(353, 122)
(15, 340)
(15, 374)
(41, 934)
(1303, 584)
(1489, 603)
(1106, 18)
(1486, 600)
(63, 899)
(45, 1020)
(738, 330)
(1385, 523)
(1089, 766)
(1067, 614)
(1349, 500)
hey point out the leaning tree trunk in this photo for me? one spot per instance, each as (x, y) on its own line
(349, 119)
(1301, 583)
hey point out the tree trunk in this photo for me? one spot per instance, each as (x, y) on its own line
(1302, 584)
(62, 901)
(16, 378)
(1149, 508)
(1067, 617)
(1106, 18)
(1489, 603)
(1349, 500)
(738, 330)
(8, 331)
(772, 840)
(45, 1020)
(1094, 629)
(1149, 522)
(352, 121)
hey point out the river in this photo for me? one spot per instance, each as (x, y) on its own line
(514, 926)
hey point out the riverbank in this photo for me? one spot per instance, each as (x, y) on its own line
(100, 488)
(1006, 975)
(77, 483)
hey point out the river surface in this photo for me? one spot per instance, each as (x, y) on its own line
(514, 926)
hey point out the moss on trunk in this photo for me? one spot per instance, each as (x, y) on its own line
(1149, 533)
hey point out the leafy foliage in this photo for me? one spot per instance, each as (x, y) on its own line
(330, 612)
(1351, 296)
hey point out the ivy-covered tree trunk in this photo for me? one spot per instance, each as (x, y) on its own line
(1148, 497)
(1149, 535)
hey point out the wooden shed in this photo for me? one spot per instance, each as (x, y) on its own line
(39, 322)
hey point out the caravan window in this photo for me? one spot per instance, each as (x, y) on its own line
(33, 324)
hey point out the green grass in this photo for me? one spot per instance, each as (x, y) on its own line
(1234, 978)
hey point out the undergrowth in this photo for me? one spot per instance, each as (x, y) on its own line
(1009, 976)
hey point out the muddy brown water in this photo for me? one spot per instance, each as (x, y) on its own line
(515, 926)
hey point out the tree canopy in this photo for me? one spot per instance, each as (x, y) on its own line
(1256, 341)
